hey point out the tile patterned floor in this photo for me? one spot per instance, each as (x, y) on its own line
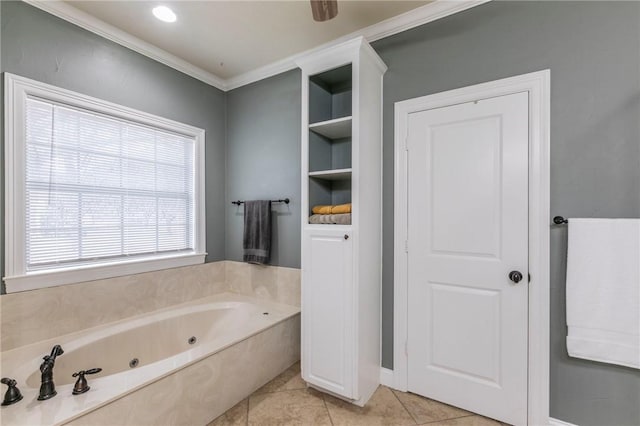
(286, 400)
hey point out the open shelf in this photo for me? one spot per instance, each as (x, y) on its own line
(333, 129)
(324, 226)
(330, 94)
(337, 174)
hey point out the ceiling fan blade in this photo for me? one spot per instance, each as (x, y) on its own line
(323, 10)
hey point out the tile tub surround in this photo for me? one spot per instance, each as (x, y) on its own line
(205, 390)
(31, 316)
(243, 346)
(274, 283)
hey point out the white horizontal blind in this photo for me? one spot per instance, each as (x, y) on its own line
(100, 188)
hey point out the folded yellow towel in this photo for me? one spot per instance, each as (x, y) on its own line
(321, 209)
(341, 209)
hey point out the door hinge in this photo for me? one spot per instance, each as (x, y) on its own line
(529, 277)
(406, 348)
(406, 246)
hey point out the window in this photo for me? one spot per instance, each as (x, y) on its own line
(96, 190)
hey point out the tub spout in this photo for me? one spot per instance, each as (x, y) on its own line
(47, 387)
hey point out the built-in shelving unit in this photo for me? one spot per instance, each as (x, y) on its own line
(330, 126)
(336, 174)
(341, 163)
(337, 128)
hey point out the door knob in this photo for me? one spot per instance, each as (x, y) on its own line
(515, 276)
(346, 237)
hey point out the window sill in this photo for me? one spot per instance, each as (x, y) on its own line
(37, 280)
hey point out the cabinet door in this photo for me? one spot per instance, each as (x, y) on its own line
(327, 311)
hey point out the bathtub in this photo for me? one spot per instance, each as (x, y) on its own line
(158, 361)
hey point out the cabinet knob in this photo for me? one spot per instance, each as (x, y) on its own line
(346, 237)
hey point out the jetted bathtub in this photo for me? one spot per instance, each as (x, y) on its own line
(139, 351)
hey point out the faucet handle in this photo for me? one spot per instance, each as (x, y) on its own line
(13, 394)
(81, 385)
(90, 371)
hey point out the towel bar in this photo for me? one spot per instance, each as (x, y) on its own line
(286, 201)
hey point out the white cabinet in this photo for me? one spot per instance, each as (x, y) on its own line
(328, 324)
(341, 264)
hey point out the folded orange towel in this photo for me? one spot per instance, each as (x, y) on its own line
(341, 209)
(321, 209)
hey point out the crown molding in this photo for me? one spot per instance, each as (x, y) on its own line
(101, 28)
(428, 13)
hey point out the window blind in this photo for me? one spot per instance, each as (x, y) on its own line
(100, 188)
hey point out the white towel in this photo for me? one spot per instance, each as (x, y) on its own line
(603, 290)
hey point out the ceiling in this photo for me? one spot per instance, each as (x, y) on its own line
(231, 38)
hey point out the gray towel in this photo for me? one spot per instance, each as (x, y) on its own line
(257, 231)
(334, 219)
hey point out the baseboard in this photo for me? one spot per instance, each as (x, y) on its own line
(556, 422)
(386, 377)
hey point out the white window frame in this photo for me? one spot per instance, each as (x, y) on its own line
(16, 90)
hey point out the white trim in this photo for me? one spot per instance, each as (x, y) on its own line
(428, 13)
(556, 422)
(16, 91)
(84, 20)
(386, 377)
(414, 18)
(538, 86)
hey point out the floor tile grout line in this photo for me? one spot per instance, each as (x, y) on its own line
(324, 401)
(277, 391)
(452, 418)
(434, 421)
(403, 406)
(246, 423)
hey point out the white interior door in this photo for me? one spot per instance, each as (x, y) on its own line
(467, 227)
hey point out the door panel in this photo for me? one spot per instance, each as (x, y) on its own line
(468, 227)
(464, 160)
(451, 355)
(327, 315)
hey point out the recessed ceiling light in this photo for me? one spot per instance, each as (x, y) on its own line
(165, 14)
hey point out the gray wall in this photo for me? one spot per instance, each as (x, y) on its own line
(263, 161)
(593, 51)
(40, 46)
